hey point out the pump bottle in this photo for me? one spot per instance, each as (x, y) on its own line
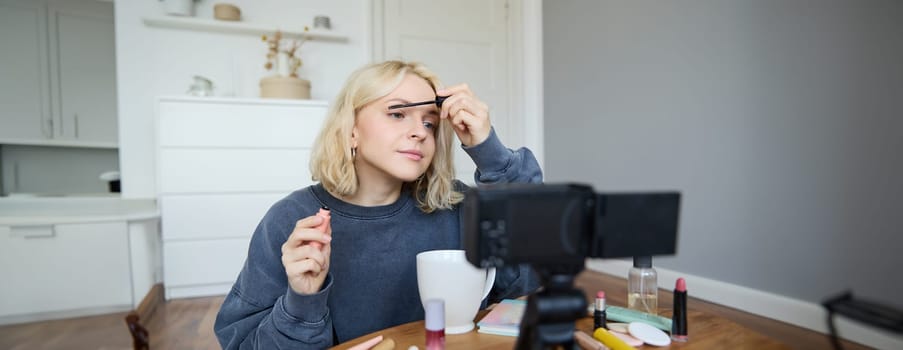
(642, 286)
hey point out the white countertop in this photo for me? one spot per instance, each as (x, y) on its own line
(24, 211)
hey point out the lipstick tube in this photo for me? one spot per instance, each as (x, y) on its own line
(610, 340)
(323, 226)
(679, 316)
(599, 311)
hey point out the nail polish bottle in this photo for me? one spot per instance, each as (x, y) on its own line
(435, 324)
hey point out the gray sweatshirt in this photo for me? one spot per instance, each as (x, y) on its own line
(372, 279)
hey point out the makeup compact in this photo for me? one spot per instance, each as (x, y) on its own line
(617, 327)
(648, 334)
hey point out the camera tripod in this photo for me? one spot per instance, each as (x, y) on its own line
(549, 318)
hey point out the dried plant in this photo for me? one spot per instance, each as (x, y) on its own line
(289, 47)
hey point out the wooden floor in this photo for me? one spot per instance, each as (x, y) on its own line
(188, 324)
(178, 324)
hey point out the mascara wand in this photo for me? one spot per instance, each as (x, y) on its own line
(438, 101)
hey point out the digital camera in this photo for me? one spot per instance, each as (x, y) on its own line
(563, 224)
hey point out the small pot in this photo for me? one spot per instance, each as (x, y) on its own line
(284, 87)
(226, 12)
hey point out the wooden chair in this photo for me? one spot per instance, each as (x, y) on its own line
(140, 336)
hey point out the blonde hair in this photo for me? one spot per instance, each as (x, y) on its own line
(331, 161)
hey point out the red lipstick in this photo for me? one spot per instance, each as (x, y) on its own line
(679, 316)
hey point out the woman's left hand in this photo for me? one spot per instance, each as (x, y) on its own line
(468, 115)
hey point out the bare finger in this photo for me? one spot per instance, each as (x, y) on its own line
(305, 252)
(447, 105)
(304, 232)
(309, 222)
(464, 120)
(300, 268)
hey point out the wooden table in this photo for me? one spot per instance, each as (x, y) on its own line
(707, 331)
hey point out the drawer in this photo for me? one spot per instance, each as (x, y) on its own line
(57, 268)
(213, 215)
(233, 170)
(193, 263)
(239, 125)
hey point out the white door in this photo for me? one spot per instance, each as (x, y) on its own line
(463, 41)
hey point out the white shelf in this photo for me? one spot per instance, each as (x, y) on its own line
(244, 100)
(58, 143)
(211, 25)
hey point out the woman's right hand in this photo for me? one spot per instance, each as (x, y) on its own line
(305, 264)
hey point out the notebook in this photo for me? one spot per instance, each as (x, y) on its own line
(504, 318)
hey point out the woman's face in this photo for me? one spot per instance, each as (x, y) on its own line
(397, 144)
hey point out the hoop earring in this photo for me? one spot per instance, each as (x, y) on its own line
(353, 151)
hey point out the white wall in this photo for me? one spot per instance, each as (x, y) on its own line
(779, 121)
(154, 61)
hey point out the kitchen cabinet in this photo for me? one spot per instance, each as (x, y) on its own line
(221, 164)
(64, 268)
(59, 56)
(24, 78)
(76, 256)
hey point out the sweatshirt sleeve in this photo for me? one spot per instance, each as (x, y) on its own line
(513, 282)
(261, 311)
(497, 164)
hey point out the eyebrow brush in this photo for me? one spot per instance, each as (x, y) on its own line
(438, 101)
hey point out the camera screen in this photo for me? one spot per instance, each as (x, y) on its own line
(512, 224)
(564, 224)
(546, 228)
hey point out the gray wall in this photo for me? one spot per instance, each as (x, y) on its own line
(55, 170)
(781, 122)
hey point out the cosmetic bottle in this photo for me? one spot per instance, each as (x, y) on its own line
(435, 324)
(642, 286)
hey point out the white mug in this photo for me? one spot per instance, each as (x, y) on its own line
(447, 275)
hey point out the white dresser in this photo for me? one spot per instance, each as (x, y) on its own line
(222, 163)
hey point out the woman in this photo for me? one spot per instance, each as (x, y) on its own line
(387, 177)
